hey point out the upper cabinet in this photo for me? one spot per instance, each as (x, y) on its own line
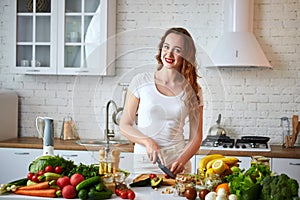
(70, 37)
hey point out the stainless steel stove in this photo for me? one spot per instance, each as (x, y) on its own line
(245, 143)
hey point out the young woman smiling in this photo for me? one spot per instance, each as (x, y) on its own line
(166, 100)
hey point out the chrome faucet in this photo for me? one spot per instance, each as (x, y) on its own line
(109, 133)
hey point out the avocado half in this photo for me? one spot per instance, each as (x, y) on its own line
(156, 182)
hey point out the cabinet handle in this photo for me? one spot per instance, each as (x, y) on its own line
(294, 163)
(21, 153)
(71, 155)
(82, 71)
(33, 70)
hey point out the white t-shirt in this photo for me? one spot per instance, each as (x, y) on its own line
(160, 117)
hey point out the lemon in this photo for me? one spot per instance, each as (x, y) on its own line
(218, 166)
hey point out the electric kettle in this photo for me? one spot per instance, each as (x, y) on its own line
(47, 134)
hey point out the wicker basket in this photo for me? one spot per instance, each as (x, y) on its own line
(41, 5)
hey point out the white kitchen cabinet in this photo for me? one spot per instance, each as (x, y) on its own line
(288, 166)
(15, 162)
(70, 37)
(126, 161)
(78, 157)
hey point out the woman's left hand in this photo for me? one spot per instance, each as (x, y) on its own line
(177, 167)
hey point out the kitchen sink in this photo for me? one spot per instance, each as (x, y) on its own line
(91, 142)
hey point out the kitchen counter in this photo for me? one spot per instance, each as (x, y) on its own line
(142, 193)
(36, 143)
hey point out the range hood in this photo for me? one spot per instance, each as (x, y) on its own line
(238, 47)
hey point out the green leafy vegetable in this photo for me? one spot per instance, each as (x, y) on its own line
(86, 170)
(41, 162)
(279, 187)
(246, 184)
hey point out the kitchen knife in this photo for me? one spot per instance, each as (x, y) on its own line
(164, 169)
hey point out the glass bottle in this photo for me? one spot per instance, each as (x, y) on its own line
(285, 125)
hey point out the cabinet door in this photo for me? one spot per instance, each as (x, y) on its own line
(78, 157)
(288, 166)
(126, 161)
(35, 39)
(87, 37)
(15, 162)
(64, 37)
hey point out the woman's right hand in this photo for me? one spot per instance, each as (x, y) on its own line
(153, 150)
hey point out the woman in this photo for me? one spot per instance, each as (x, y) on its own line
(164, 100)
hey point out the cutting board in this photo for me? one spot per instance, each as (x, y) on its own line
(166, 181)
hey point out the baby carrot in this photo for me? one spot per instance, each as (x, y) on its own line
(39, 193)
(38, 186)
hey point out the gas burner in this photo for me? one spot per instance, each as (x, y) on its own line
(246, 143)
(218, 141)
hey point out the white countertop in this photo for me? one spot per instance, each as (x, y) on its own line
(141, 193)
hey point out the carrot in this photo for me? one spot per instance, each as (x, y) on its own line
(39, 193)
(38, 186)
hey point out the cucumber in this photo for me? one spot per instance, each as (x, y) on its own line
(19, 182)
(49, 176)
(83, 194)
(100, 195)
(100, 186)
(88, 183)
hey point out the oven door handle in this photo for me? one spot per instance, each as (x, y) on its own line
(294, 163)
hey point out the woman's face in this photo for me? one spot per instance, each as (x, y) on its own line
(172, 51)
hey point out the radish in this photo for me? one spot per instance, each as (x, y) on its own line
(69, 192)
(76, 179)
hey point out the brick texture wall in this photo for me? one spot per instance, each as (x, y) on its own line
(251, 101)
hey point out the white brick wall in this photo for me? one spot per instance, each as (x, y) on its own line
(251, 101)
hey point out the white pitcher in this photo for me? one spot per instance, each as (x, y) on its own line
(48, 134)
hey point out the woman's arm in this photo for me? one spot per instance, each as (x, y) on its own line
(195, 139)
(134, 135)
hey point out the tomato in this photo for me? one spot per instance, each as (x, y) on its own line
(130, 194)
(41, 172)
(35, 178)
(30, 175)
(151, 176)
(167, 176)
(49, 168)
(123, 194)
(58, 169)
(117, 191)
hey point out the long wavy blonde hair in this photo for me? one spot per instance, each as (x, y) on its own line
(189, 64)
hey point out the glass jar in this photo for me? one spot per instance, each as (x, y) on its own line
(212, 181)
(183, 181)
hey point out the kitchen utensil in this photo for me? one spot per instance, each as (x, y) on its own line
(68, 130)
(164, 168)
(217, 129)
(296, 128)
(48, 134)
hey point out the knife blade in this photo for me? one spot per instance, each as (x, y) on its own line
(164, 169)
